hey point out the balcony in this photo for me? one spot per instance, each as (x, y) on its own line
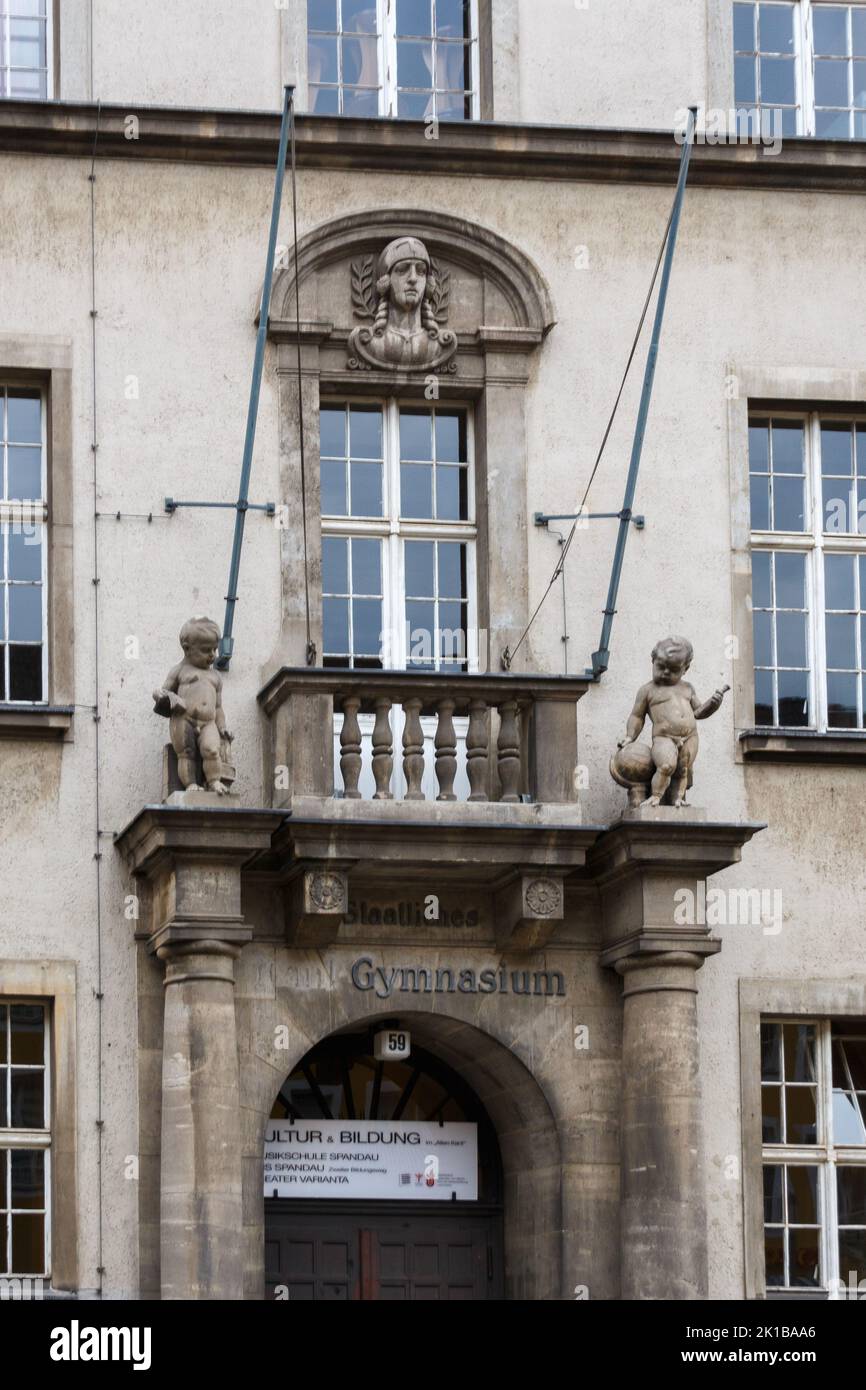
(416, 782)
(492, 743)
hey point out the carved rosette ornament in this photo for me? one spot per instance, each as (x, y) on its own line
(544, 897)
(405, 303)
(327, 892)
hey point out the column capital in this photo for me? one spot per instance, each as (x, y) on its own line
(645, 871)
(202, 959)
(661, 971)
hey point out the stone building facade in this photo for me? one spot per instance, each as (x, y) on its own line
(651, 1020)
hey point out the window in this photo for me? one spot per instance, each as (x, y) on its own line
(398, 542)
(808, 61)
(412, 58)
(25, 49)
(807, 478)
(24, 1139)
(813, 1114)
(23, 515)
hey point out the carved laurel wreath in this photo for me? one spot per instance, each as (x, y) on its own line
(364, 289)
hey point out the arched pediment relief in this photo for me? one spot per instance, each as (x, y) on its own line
(404, 290)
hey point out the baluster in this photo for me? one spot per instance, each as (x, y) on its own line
(477, 750)
(413, 749)
(350, 747)
(383, 750)
(509, 751)
(445, 744)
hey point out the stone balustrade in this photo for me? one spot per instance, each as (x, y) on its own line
(520, 739)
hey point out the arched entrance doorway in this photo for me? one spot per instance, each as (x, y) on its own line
(400, 1171)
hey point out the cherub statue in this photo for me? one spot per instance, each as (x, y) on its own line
(406, 311)
(672, 707)
(191, 700)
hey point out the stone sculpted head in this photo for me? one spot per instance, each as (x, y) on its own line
(199, 638)
(404, 277)
(671, 658)
(407, 299)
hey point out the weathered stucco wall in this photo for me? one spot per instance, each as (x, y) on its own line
(577, 62)
(760, 278)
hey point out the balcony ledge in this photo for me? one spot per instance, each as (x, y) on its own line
(804, 745)
(452, 814)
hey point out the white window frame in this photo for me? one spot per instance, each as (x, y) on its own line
(6, 10)
(15, 511)
(816, 543)
(394, 530)
(823, 1155)
(386, 26)
(804, 53)
(39, 1138)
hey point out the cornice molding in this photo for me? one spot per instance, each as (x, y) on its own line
(478, 149)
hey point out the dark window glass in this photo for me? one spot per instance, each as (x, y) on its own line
(830, 29)
(28, 1100)
(334, 487)
(744, 28)
(804, 1258)
(771, 1057)
(366, 566)
(322, 14)
(365, 432)
(764, 698)
(420, 569)
(851, 1192)
(841, 700)
(25, 474)
(790, 580)
(776, 28)
(25, 673)
(771, 1114)
(774, 1257)
(839, 590)
(793, 698)
(28, 1244)
(28, 1178)
(335, 565)
(24, 417)
(27, 1023)
(791, 639)
(761, 590)
(414, 17)
(416, 435)
(778, 81)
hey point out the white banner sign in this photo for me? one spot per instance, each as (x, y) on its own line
(371, 1158)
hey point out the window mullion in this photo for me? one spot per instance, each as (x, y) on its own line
(803, 31)
(475, 60)
(395, 614)
(828, 1175)
(389, 43)
(817, 623)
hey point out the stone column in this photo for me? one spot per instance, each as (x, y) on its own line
(190, 861)
(641, 865)
(201, 1217)
(663, 1214)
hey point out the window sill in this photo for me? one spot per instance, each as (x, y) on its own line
(37, 722)
(804, 745)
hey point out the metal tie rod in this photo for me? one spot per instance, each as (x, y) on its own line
(601, 657)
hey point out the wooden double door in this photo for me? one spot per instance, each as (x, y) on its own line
(382, 1251)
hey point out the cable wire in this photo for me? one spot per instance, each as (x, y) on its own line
(100, 1123)
(311, 646)
(508, 655)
